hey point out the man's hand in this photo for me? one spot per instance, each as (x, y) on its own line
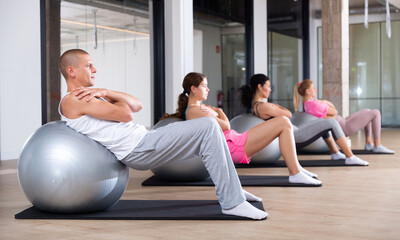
(111, 96)
(91, 92)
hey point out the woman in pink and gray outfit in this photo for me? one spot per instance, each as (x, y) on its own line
(369, 119)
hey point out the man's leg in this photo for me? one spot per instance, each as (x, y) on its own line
(184, 140)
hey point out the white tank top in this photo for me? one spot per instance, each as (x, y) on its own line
(118, 137)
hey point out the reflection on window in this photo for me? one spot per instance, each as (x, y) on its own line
(283, 68)
(233, 72)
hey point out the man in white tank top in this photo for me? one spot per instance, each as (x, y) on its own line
(106, 116)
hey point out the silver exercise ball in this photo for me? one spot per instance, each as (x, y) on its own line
(318, 146)
(268, 155)
(61, 170)
(185, 170)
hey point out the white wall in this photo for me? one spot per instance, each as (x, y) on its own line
(20, 94)
(260, 37)
(197, 51)
(178, 49)
(120, 69)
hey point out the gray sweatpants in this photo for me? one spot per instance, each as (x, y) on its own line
(312, 130)
(183, 140)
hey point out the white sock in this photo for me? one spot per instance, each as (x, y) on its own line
(337, 156)
(303, 178)
(313, 175)
(250, 197)
(353, 160)
(382, 149)
(245, 209)
(369, 146)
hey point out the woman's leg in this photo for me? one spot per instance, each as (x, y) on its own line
(375, 127)
(351, 159)
(313, 130)
(331, 145)
(359, 120)
(263, 134)
(184, 140)
(368, 119)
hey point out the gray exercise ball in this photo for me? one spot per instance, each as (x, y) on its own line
(268, 155)
(184, 170)
(63, 171)
(318, 146)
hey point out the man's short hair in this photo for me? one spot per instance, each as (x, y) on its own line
(69, 58)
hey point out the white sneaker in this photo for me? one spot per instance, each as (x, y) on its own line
(353, 160)
(338, 156)
(369, 146)
(382, 149)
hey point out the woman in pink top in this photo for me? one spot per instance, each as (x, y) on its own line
(368, 119)
(242, 146)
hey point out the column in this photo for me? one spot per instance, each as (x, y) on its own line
(335, 53)
(178, 48)
(260, 37)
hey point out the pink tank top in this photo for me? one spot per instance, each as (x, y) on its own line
(316, 108)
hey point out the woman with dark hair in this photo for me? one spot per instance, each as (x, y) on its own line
(259, 88)
(369, 119)
(242, 146)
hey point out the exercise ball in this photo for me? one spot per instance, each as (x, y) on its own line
(184, 170)
(61, 170)
(268, 155)
(319, 145)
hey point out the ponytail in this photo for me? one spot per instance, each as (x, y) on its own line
(180, 111)
(247, 91)
(246, 95)
(191, 79)
(300, 90)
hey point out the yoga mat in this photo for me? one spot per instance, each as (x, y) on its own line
(303, 163)
(355, 151)
(146, 210)
(246, 180)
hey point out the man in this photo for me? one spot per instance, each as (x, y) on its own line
(106, 116)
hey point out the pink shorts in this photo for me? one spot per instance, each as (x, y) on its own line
(236, 142)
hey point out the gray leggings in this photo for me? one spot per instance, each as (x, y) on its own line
(184, 140)
(310, 131)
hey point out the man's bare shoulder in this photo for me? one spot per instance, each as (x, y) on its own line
(73, 107)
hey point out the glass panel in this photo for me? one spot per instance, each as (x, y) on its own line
(233, 72)
(364, 61)
(207, 58)
(391, 111)
(374, 70)
(391, 61)
(119, 46)
(283, 67)
(359, 104)
(219, 51)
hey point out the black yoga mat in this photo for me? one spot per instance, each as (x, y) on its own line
(246, 180)
(303, 163)
(146, 210)
(355, 151)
